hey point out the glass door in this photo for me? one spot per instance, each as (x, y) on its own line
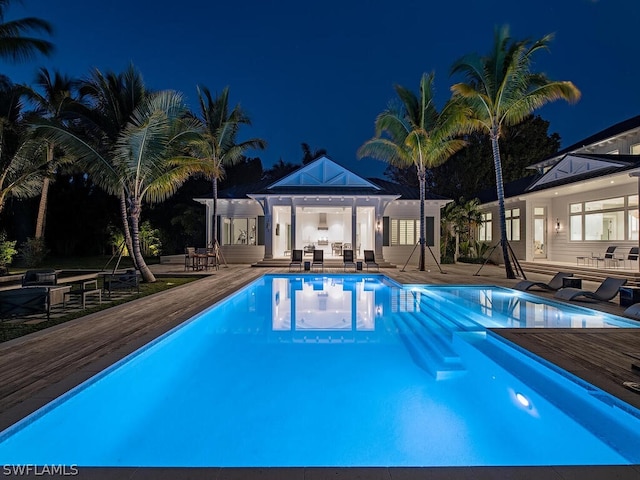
(539, 232)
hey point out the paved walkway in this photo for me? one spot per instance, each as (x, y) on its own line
(37, 368)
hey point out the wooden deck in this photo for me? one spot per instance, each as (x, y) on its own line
(37, 368)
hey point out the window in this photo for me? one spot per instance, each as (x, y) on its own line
(484, 232)
(576, 227)
(635, 149)
(404, 231)
(513, 224)
(607, 219)
(239, 231)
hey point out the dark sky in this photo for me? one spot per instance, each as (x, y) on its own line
(320, 72)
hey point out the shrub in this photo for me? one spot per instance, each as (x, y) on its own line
(34, 252)
(7, 252)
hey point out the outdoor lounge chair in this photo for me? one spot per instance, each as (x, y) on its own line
(633, 311)
(554, 284)
(607, 290)
(318, 259)
(348, 259)
(296, 260)
(370, 259)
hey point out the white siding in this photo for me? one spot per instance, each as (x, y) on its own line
(406, 209)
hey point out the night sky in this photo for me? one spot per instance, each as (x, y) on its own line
(320, 72)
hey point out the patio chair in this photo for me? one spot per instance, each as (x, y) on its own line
(40, 278)
(370, 259)
(632, 256)
(296, 260)
(554, 284)
(607, 290)
(318, 259)
(190, 258)
(608, 257)
(347, 256)
(17, 302)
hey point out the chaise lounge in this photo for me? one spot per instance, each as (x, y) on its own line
(607, 290)
(554, 284)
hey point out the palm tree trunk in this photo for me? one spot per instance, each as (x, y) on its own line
(126, 229)
(44, 194)
(422, 177)
(42, 208)
(497, 163)
(214, 220)
(147, 275)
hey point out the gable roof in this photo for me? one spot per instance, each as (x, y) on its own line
(607, 133)
(322, 173)
(578, 166)
(338, 181)
(572, 168)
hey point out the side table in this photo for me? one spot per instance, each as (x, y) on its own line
(629, 296)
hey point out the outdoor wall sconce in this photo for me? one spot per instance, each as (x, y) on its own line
(379, 225)
(557, 225)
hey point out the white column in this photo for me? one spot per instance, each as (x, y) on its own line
(268, 229)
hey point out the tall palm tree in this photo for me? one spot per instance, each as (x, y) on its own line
(415, 134)
(146, 160)
(17, 47)
(501, 90)
(218, 143)
(51, 100)
(112, 98)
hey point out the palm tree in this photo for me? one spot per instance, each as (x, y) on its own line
(21, 164)
(309, 156)
(16, 47)
(146, 161)
(501, 90)
(415, 134)
(218, 143)
(112, 99)
(51, 102)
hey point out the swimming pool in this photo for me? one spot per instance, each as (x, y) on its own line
(338, 371)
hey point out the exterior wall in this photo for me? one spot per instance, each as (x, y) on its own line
(242, 253)
(410, 209)
(519, 247)
(398, 209)
(239, 208)
(562, 249)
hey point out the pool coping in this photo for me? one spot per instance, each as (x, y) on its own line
(23, 409)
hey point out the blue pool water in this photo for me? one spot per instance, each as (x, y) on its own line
(339, 371)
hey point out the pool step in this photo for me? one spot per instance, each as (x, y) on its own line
(429, 346)
(447, 312)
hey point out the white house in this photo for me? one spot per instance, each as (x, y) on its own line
(578, 202)
(322, 205)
